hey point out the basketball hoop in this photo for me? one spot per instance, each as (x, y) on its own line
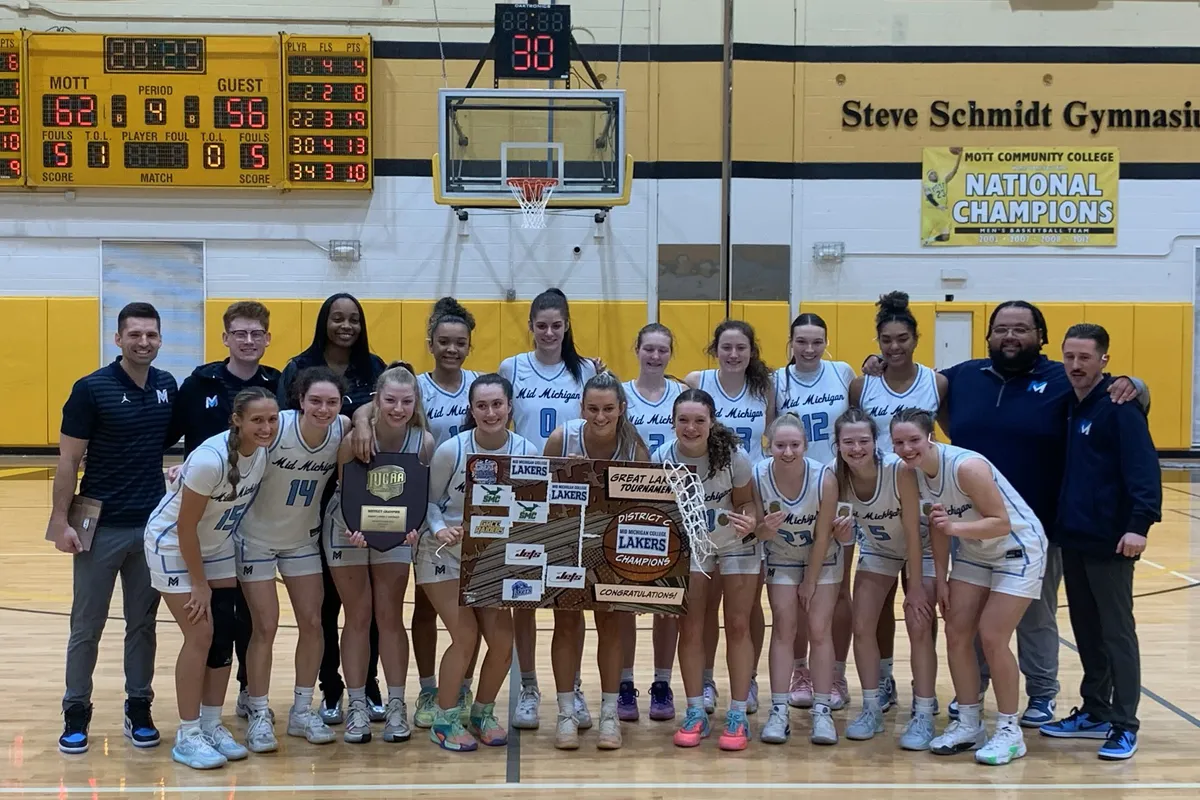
(533, 194)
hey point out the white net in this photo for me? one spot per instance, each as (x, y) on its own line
(689, 496)
(532, 195)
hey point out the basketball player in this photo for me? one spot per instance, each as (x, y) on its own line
(998, 568)
(935, 217)
(370, 582)
(604, 433)
(886, 507)
(741, 389)
(903, 384)
(190, 553)
(438, 560)
(547, 385)
(649, 401)
(281, 531)
(798, 498)
(726, 473)
(817, 391)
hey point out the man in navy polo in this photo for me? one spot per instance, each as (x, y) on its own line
(119, 415)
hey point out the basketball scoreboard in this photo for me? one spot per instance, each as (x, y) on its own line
(266, 112)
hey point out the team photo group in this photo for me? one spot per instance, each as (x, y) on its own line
(834, 483)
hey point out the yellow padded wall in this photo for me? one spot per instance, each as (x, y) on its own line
(384, 328)
(414, 334)
(72, 351)
(1159, 331)
(619, 324)
(689, 326)
(485, 341)
(771, 321)
(23, 370)
(1117, 319)
(289, 335)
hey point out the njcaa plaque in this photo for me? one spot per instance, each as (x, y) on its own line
(386, 498)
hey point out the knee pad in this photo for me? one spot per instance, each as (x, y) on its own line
(225, 626)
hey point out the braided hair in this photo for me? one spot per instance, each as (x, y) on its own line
(240, 404)
(722, 442)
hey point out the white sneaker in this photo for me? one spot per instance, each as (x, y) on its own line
(330, 715)
(395, 728)
(224, 743)
(358, 723)
(778, 727)
(192, 749)
(958, 738)
(308, 725)
(1006, 744)
(526, 715)
(567, 735)
(752, 698)
(260, 734)
(582, 715)
(823, 729)
(710, 697)
(918, 734)
(887, 694)
(243, 704)
(868, 723)
(610, 732)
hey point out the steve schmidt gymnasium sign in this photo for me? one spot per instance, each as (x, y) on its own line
(1034, 114)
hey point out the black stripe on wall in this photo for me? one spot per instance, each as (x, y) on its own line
(473, 51)
(811, 171)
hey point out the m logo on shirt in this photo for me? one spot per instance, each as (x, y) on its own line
(173, 581)
(210, 402)
(1085, 427)
(1037, 386)
(162, 395)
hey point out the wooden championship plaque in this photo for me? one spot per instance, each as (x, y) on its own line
(386, 498)
(572, 534)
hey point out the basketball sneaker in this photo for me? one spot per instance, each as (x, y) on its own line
(610, 732)
(1079, 725)
(260, 734)
(736, 735)
(242, 709)
(1039, 711)
(958, 737)
(566, 737)
(888, 696)
(839, 695)
(224, 743)
(448, 733)
(694, 728)
(868, 723)
(395, 721)
(778, 727)
(466, 698)
(308, 725)
(823, 729)
(358, 723)
(800, 693)
(376, 710)
(918, 734)
(1120, 745)
(193, 749)
(1006, 744)
(662, 701)
(487, 728)
(627, 705)
(426, 708)
(582, 715)
(710, 696)
(526, 715)
(752, 697)
(332, 710)
(76, 719)
(139, 725)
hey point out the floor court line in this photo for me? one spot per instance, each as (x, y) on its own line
(463, 788)
(1162, 701)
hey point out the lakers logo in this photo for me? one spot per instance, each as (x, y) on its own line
(386, 482)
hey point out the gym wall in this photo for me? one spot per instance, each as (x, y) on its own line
(801, 177)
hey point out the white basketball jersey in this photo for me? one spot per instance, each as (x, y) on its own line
(445, 410)
(206, 471)
(880, 531)
(654, 421)
(792, 545)
(718, 489)
(543, 397)
(573, 444)
(818, 399)
(286, 512)
(745, 414)
(1002, 551)
(881, 403)
(463, 445)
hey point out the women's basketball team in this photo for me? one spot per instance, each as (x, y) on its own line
(800, 466)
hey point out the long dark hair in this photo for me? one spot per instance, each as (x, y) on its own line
(722, 442)
(490, 379)
(360, 351)
(851, 416)
(554, 300)
(240, 403)
(807, 318)
(758, 374)
(893, 307)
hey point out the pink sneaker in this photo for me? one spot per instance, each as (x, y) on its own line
(737, 732)
(839, 696)
(800, 694)
(695, 727)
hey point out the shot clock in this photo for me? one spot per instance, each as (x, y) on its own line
(327, 112)
(532, 41)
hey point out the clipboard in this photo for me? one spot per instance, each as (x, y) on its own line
(84, 517)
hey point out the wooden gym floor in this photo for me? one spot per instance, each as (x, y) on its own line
(35, 599)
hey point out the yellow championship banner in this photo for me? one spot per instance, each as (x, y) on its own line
(1015, 196)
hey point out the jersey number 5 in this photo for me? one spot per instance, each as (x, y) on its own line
(302, 488)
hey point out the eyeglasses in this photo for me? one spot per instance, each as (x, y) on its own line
(1016, 330)
(248, 336)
